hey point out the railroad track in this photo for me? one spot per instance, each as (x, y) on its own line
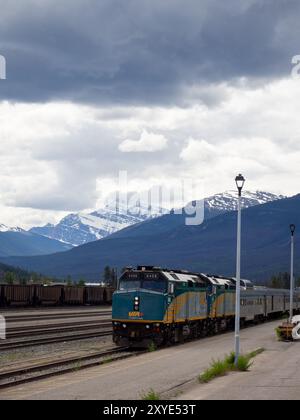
(48, 333)
(17, 344)
(56, 316)
(31, 330)
(46, 369)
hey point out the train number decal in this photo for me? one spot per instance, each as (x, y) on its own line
(135, 314)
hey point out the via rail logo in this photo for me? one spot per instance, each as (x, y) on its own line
(2, 328)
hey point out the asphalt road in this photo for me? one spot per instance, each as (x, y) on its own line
(163, 371)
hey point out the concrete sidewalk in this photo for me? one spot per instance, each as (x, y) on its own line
(275, 375)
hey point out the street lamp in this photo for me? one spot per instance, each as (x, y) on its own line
(292, 229)
(240, 181)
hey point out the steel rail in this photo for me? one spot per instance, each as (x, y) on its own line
(10, 378)
(13, 345)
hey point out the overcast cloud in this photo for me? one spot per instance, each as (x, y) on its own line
(163, 89)
(141, 51)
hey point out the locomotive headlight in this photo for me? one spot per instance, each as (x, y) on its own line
(148, 326)
(136, 303)
(124, 325)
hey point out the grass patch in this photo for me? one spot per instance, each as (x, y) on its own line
(229, 359)
(256, 352)
(222, 367)
(107, 360)
(217, 368)
(243, 363)
(151, 395)
(152, 347)
(14, 357)
(279, 334)
(9, 358)
(77, 366)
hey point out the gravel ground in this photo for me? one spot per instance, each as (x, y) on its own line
(12, 357)
(51, 310)
(57, 322)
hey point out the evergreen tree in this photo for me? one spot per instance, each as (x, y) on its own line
(282, 281)
(23, 281)
(81, 283)
(114, 278)
(69, 281)
(10, 277)
(107, 274)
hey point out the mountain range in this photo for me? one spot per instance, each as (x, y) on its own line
(16, 241)
(167, 241)
(80, 228)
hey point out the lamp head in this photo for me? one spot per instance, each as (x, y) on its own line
(240, 181)
(292, 228)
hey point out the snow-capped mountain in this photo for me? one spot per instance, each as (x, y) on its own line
(80, 228)
(167, 241)
(227, 201)
(4, 228)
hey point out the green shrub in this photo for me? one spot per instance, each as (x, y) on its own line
(279, 334)
(230, 358)
(107, 360)
(243, 363)
(256, 352)
(217, 368)
(222, 367)
(151, 395)
(152, 347)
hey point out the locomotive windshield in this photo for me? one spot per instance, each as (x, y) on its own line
(129, 284)
(155, 285)
(148, 281)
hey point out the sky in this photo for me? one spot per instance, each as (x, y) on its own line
(165, 90)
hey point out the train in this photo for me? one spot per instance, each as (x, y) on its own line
(56, 295)
(164, 306)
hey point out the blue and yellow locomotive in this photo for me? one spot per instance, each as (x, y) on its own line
(165, 306)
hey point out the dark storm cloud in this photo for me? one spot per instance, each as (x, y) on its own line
(141, 51)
